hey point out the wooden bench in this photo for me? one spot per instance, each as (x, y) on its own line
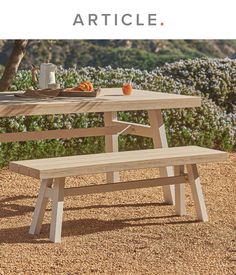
(52, 173)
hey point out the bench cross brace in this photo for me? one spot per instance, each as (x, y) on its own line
(55, 190)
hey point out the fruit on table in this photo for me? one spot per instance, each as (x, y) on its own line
(85, 86)
(127, 89)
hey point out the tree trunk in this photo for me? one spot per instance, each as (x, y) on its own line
(13, 64)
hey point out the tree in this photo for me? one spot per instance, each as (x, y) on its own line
(13, 63)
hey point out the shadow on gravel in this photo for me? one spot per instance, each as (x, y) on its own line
(85, 227)
(10, 208)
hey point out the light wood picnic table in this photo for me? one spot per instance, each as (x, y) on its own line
(109, 102)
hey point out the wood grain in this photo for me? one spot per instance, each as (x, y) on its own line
(119, 186)
(160, 141)
(111, 99)
(194, 180)
(57, 210)
(111, 144)
(40, 207)
(180, 207)
(63, 133)
(116, 161)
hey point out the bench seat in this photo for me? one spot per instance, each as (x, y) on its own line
(116, 161)
(53, 171)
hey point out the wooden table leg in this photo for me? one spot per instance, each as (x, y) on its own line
(160, 141)
(197, 194)
(57, 210)
(111, 144)
(180, 207)
(40, 207)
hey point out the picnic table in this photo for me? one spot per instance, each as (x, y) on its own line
(109, 102)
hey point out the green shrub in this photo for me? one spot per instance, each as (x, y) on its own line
(215, 78)
(22, 81)
(141, 54)
(208, 125)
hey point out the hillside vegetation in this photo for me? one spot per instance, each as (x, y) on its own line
(191, 67)
(138, 54)
(212, 125)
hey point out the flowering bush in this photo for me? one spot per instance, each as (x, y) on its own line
(215, 78)
(209, 125)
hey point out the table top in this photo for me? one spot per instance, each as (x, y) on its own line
(111, 99)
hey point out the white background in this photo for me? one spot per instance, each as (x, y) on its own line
(53, 19)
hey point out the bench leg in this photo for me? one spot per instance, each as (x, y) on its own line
(40, 208)
(180, 208)
(197, 194)
(57, 210)
(160, 141)
(111, 144)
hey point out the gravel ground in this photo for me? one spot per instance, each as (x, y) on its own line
(128, 232)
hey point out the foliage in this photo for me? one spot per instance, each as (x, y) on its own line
(209, 125)
(215, 78)
(139, 54)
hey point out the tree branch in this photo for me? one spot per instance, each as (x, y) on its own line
(13, 63)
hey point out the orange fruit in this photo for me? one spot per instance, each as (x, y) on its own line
(86, 86)
(127, 89)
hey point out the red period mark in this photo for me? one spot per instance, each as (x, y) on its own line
(162, 24)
